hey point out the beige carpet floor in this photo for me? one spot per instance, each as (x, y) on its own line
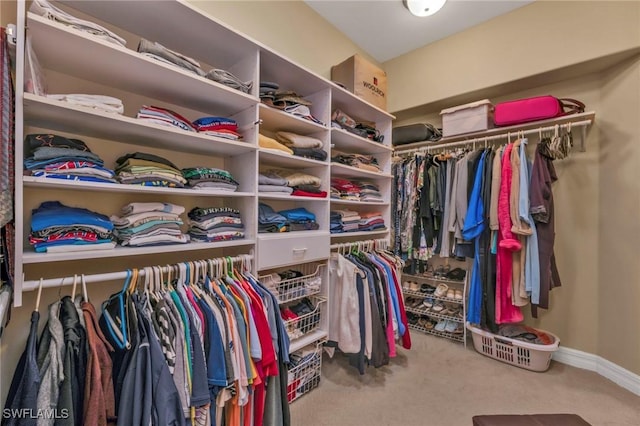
(439, 383)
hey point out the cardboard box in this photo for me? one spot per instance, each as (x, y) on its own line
(363, 79)
(473, 117)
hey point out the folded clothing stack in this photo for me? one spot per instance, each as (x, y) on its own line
(350, 220)
(347, 189)
(307, 377)
(160, 53)
(148, 224)
(268, 91)
(369, 192)
(58, 228)
(98, 102)
(164, 117)
(145, 169)
(211, 224)
(210, 179)
(221, 127)
(271, 144)
(49, 11)
(272, 181)
(335, 223)
(230, 80)
(270, 221)
(57, 157)
(360, 161)
(300, 219)
(371, 221)
(303, 146)
(305, 185)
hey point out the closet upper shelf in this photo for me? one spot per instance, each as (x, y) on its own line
(343, 170)
(479, 137)
(33, 257)
(75, 53)
(348, 142)
(48, 183)
(56, 115)
(276, 120)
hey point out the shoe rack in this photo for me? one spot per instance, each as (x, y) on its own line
(440, 310)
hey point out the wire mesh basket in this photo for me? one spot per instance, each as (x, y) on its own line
(288, 290)
(306, 323)
(305, 375)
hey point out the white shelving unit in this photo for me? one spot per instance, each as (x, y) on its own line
(76, 62)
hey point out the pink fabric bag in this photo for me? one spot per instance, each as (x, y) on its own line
(534, 109)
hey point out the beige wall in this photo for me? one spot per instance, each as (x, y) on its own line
(290, 28)
(598, 192)
(531, 40)
(619, 210)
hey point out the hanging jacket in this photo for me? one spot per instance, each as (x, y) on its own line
(51, 363)
(541, 196)
(23, 392)
(99, 399)
(75, 364)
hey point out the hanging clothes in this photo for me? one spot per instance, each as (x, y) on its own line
(23, 392)
(369, 315)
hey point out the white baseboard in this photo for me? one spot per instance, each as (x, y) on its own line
(605, 368)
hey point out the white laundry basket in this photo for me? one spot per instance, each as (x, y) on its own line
(526, 355)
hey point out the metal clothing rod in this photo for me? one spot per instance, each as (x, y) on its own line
(381, 242)
(493, 138)
(115, 276)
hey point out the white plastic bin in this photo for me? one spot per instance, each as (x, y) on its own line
(473, 117)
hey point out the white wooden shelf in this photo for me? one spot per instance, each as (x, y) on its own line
(29, 257)
(358, 203)
(52, 183)
(343, 170)
(348, 142)
(73, 52)
(356, 107)
(276, 120)
(282, 159)
(307, 339)
(360, 233)
(288, 197)
(43, 112)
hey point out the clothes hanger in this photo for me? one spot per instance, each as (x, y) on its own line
(39, 294)
(73, 289)
(84, 288)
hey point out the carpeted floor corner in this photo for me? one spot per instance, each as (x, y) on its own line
(440, 383)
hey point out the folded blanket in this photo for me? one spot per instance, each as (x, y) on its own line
(297, 179)
(298, 141)
(270, 143)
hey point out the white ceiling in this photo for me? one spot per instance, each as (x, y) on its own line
(385, 28)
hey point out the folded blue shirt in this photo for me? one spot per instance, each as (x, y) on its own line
(54, 213)
(299, 214)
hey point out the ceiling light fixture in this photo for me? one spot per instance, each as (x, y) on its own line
(423, 7)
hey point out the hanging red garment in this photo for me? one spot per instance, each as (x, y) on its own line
(506, 312)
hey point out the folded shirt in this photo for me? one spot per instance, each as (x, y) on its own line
(134, 208)
(297, 179)
(98, 102)
(270, 143)
(164, 117)
(158, 51)
(301, 193)
(49, 11)
(146, 157)
(298, 214)
(275, 188)
(271, 178)
(228, 79)
(299, 141)
(313, 153)
(54, 213)
(218, 126)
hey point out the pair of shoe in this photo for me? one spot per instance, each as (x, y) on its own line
(447, 326)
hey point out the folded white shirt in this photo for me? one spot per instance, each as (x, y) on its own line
(100, 102)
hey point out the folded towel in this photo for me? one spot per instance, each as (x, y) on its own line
(298, 141)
